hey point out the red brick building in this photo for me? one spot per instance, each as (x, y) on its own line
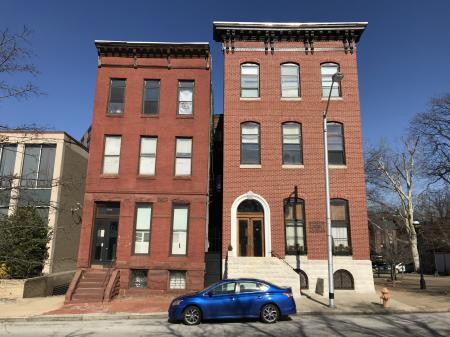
(277, 78)
(145, 208)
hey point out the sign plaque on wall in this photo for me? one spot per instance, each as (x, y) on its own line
(317, 227)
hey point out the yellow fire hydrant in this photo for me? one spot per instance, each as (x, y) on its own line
(385, 297)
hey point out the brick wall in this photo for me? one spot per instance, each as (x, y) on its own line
(275, 183)
(163, 189)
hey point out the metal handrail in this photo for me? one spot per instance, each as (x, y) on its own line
(284, 261)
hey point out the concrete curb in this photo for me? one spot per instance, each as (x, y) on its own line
(163, 315)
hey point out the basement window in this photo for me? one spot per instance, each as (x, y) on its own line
(138, 278)
(177, 280)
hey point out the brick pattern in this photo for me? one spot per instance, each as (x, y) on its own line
(275, 183)
(163, 189)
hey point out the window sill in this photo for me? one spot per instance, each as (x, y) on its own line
(109, 176)
(339, 167)
(182, 177)
(150, 177)
(286, 166)
(117, 115)
(332, 99)
(291, 99)
(185, 116)
(250, 166)
(149, 116)
(250, 99)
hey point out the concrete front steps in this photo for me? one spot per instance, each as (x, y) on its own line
(271, 269)
(93, 285)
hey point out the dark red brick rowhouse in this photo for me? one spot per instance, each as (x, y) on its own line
(145, 209)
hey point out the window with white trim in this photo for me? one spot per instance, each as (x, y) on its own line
(290, 80)
(111, 157)
(142, 228)
(179, 229)
(335, 139)
(147, 158)
(327, 71)
(250, 144)
(183, 156)
(340, 227)
(249, 80)
(292, 148)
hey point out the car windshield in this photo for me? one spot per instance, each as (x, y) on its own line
(211, 286)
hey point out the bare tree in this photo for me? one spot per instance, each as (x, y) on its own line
(433, 128)
(15, 53)
(391, 176)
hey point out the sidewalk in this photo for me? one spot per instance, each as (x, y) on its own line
(406, 297)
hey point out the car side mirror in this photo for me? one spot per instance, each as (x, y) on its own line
(209, 293)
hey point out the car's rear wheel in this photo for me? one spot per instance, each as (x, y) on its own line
(192, 315)
(270, 313)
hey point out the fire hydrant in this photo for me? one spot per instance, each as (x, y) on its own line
(385, 297)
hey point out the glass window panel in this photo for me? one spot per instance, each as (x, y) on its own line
(224, 289)
(30, 165)
(5, 196)
(7, 162)
(183, 166)
(111, 165)
(184, 147)
(151, 97)
(46, 166)
(141, 245)
(185, 108)
(338, 212)
(138, 279)
(148, 145)
(147, 165)
(289, 69)
(186, 94)
(35, 197)
(250, 154)
(112, 145)
(179, 243)
(143, 217)
(249, 69)
(117, 96)
(177, 280)
(180, 218)
(250, 93)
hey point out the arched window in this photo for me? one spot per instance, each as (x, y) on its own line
(250, 143)
(290, 80)
(327, 70)
(304, 284)
(340, 227)
(335, 137)
(292, 144)
(343, 280)
(249, 80)
(294, 222)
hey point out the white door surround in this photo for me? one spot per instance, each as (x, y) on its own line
(234, 230)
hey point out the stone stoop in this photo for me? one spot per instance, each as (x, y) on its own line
(90, 286)
(270, 269)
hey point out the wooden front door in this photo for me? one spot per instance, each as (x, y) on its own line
(251, 234)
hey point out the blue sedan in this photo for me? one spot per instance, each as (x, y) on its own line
(238, 298)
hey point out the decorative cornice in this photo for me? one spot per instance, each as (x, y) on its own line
(271, 33)
(152, 49)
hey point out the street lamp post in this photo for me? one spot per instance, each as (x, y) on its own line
(337, 77)
(422, 283)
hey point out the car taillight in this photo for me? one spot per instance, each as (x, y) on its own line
(289, 294)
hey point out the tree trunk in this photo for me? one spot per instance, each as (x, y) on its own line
(415, 252)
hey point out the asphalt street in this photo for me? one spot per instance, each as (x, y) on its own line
(429, 324)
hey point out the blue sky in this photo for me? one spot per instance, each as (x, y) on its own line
(403, 55)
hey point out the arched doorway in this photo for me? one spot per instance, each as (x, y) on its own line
(250, 221)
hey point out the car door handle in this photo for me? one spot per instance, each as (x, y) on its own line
(259, 297)
(232, 298)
